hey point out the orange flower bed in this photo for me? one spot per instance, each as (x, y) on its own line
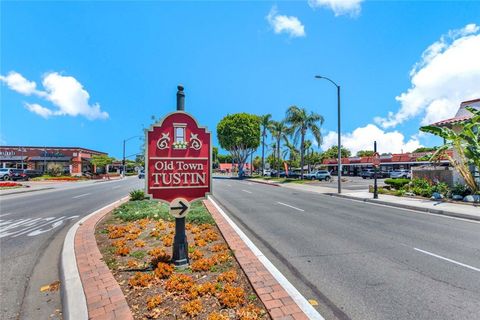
(10, 185)
(212, 287)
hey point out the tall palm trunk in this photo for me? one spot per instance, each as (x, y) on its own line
(263, 153)
(278, 157)
(302, 151)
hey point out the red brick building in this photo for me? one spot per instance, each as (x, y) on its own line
(354, 165)
(70, 160)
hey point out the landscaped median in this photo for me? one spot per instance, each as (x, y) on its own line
(10, 185)
(135, 241)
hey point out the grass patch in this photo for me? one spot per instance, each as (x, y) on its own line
(136, 210)
(139, 254)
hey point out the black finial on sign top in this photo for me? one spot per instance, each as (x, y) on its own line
(180, 98)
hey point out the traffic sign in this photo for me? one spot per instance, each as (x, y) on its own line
(178, 159)
(376, 159)
(179, 208)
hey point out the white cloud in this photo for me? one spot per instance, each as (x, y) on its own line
(447, 74)
(38, 109)
(339, 7)
(69, 96)
(18, 83)
(285, 24)
(64, 92)
(362, 139)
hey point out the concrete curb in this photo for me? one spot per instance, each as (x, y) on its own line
(74, 302)
(404, 206)
(280, 297)
(25, 191)
(263, 182)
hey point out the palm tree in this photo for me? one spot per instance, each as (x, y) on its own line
(290, 150)
(265, 122)
(301, 122)
(279, 131)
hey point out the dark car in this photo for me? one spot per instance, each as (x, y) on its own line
(32, 173)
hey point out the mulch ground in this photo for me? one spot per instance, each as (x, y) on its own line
(213, 287)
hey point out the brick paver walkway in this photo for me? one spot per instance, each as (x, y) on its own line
(278, 302)
(105, 299)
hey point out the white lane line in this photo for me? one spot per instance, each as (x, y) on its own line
(300, 300)
(446, 259)
(6, 214)
(287, 205)
(81, 195)
(116, 187)
(229, 185)
(246, 191)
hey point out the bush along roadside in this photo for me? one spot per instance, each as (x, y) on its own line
(427, 189)
(136, 242)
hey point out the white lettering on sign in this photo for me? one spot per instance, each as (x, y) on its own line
(178, 173)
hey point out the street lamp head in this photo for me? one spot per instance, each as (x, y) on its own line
(318, 77)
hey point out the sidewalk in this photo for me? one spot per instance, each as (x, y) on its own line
(466, 211)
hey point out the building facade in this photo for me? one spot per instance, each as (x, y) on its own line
(67, 160)
(353, 166)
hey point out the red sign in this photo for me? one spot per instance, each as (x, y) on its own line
(177, 159)
(376, 159)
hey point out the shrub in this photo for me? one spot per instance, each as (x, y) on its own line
(461, 189)
(397, 183)
(179, 283)
(140, 280)
(441, 187)
(137, 195)
(421, 187)
(153, 302)
(192, 308)
(228, 276)
(163, 270)
(231, 297)
(203, 264)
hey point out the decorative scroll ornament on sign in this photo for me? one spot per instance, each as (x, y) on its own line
(195, 143)
(163, 142)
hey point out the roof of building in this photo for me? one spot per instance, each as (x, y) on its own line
(60, 148)
(391, 159)
(461, 115)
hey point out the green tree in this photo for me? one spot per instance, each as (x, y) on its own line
(290, 152)
(239, 134)
(332, 153)
(425, 149)
(224, 158)
(466, 143)
(301, 122)
(257, 163)
(265, 123)
(101, 161)
(279, 131)
(364, 153)
(215, 157)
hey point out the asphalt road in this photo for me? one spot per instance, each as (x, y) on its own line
(360, 260)
(32, 229)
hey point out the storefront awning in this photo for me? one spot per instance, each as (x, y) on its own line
(54, 159)
(13, 158)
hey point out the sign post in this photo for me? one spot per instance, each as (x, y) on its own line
(376, 164)
(178, 168)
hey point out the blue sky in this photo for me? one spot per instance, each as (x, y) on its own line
(101, 69)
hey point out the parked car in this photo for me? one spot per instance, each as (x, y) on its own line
(141, 174)
(368, 173)
(267, 173)
(402, 173)
(318, 175)
(12, 174)
(32, 173)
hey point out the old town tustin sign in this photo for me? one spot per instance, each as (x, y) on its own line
(178, 159)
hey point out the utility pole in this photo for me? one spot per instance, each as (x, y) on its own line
(375, 166)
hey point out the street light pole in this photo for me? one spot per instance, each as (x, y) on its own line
(339, 159)
(124, 160)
